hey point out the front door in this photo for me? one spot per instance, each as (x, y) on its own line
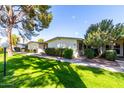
(80, 49)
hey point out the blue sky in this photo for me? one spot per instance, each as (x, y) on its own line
(73, 20)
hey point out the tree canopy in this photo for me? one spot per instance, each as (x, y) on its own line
(28, 20)
(103, 33)
(15, 39)
(40, 40)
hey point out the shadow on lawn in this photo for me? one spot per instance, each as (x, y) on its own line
(45, 73)
(42, 73)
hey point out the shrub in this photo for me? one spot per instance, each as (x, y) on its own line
(68, 53)
(59, 51)
(110, 55)
(89, 53)
(50, 51)
(96, 52)
(54, 51)
(17, 49)
(27, 50)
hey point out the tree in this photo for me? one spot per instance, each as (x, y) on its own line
(98, 34)
(117, 33)
(15, 39)
(28, 20)
(40, 40)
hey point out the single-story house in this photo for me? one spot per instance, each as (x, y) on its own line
(67, 42)
(37, 46)
(76, 44)
(20, 47)
(119, 47)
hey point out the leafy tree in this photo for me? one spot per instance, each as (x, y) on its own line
(15, 39)
(28, 20)
(117, 33)
(97, 35)
(40, 40)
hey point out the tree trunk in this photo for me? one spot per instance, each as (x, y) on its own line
(10, 50)
(100, 50)
(9, 30)
(112, 46)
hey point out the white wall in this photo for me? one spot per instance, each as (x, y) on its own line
(64, 43)
(121, 47)
(21, 46)
(32, 46)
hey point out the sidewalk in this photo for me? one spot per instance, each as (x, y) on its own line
(79, 61)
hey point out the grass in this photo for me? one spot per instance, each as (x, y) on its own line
(28, 71)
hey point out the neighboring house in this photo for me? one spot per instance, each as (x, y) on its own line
(67, 42)
(37, 46)
(119, 46)
(20, 45)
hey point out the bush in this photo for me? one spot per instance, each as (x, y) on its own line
(68, 53)
(17, 49)
(34, 51)
(110, 55)
(59, 52)
(26, 48)
(89, 53)
(50, 51)
(54, 51)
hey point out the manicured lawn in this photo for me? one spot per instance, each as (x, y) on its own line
(28, 71)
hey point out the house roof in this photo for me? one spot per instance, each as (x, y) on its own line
(64, 38)
(36, 42)
(21, 44)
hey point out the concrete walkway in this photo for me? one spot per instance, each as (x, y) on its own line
(78, 61)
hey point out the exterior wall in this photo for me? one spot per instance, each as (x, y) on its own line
(20, 46)
(32, 46)
(121, 47)
(37, 46)
(41, 48)
(64, 43)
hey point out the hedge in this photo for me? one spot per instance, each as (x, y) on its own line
(110, 55)
(89, 53)
(17, 49)
(68, 53)
(61, 52)
(50, 51)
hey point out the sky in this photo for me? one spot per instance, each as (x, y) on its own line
(74, 20)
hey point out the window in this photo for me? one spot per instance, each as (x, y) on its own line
(107, 47)
(84, 46)
(117, 48)
(80, 46)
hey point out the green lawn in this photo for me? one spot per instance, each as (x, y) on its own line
(28, 71)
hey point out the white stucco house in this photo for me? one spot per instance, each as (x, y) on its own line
(37, 46)
(119, 47)
(67, 42)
